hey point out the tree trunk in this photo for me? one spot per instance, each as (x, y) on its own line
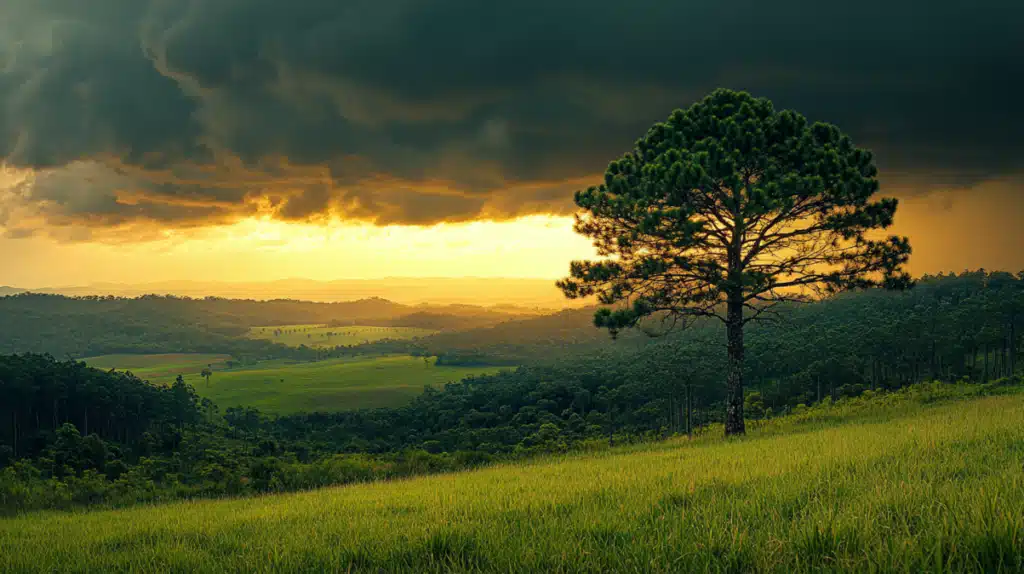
(1006, 357)
(734, 386)
(934, 367)
(611, 429)
(689, 411)
(1013, 347)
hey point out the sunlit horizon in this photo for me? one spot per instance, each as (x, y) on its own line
(950, 232)
(532, 247)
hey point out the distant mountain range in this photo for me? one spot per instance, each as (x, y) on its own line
(507, 295)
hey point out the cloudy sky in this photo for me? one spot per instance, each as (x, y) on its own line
(256, 139)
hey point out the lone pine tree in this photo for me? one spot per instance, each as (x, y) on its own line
(727, 210)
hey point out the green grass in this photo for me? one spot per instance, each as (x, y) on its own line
(935, 488)
(285, 386)
(338, 384)
(159, 368)
(321, 336)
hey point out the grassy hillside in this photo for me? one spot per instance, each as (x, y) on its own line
(338, 384)
(914, 489)
(320, 336)
(160, 368)
(282, 386)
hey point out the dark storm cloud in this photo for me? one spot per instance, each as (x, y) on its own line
(418, 111)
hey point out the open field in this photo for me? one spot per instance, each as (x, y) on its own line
(159, 368)
(938, 489)
(284, 386)
(322, 336)
(338, 384)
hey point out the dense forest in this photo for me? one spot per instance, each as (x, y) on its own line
(75, 435)
(949, 325)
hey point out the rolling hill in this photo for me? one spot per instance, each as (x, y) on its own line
(334, 385)
(86, 326)
(506, 294)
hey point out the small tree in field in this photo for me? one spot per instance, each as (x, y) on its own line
(206, 374)
(726, 210)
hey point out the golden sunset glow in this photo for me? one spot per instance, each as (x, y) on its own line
(253, 250)
(950, 232)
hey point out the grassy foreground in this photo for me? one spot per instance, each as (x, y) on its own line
(321, 336)
(936, 490)
(333, 385)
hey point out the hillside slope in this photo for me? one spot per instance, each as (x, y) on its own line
(907, 488)
(518, 341)
(60, 325)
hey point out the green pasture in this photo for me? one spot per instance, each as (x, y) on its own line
(319, 336)
(337, 384)
(160, 368)
(283, 386)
